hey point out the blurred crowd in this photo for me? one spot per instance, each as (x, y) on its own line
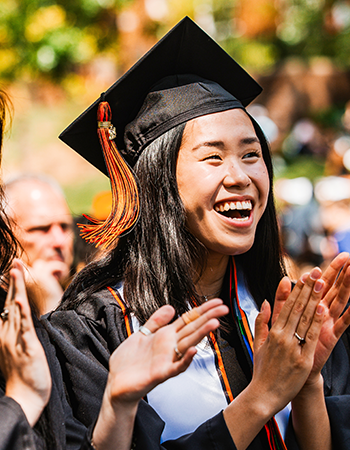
(314, 212)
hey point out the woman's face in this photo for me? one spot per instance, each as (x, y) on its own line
(222, 180)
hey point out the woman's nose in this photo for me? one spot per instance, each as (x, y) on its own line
(236, 176)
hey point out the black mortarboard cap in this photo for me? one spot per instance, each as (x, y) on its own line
(185, 58)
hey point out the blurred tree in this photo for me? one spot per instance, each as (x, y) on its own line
(315, 28)
(53, 37)
(271, 30)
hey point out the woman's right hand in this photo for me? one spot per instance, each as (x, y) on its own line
(22, 357)
(142, 362)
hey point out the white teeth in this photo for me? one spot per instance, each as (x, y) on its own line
(243, 219)
(247, 205)
(226, 206)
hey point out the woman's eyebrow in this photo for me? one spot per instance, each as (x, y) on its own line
(216, 144)
(221, 144)
(250, 140)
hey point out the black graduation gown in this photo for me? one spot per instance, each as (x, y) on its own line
(62, 430)
(85, 338)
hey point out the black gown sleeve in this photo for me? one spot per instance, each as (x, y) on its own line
(84, 340)
(336, 376)
(211, 435)
(17, 434)
(66, 432)
(15, 431)
(81, 349)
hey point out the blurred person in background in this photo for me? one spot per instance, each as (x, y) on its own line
(305, 138)
(333, 196)
(299, 223)
(314, 221)
(44, 227)
(338, 158)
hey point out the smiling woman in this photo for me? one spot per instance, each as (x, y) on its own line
(222, 157)
(195, 219)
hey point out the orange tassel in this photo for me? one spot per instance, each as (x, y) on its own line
(125, 197)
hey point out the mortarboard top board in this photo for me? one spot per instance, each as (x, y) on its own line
(186, 49)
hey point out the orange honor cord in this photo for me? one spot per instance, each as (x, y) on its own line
(123, 308)
(125, 197)
(222, 370)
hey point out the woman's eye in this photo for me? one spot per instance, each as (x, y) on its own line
(217, 157)
(253, 154)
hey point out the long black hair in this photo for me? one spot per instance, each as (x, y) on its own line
(156, 259)
(263, 264)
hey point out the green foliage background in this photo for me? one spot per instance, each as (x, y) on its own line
(54, 38)
(43, 37)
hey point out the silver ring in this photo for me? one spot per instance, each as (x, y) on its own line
(4, 315)
(144, 330)
(300, 339)
(178, 353)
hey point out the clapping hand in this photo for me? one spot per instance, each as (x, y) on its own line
(142, 362)
(22, 357)
(337, 318)
(157, 352)
(336, 293)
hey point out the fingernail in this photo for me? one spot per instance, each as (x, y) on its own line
(319, 309)
(315, 273)
(318, 286)
(304, 277)
(263, 306)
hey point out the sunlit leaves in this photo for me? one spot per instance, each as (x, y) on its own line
(55, 38)
(52, 38)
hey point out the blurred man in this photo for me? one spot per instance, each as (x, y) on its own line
(44, 228)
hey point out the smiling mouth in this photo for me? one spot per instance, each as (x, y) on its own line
(235, 210)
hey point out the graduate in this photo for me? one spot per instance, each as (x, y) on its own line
(193, 218)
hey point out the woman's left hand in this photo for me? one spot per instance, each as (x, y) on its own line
(336, 295)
